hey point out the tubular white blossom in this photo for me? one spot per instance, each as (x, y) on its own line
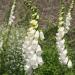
(12, 17)
(41, 35)
(69, 64)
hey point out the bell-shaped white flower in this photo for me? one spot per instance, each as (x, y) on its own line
(38, 51)
(42, 35)
(36, 36)
(33, 60)
(60, 43)
(59, 35)
(65, 52)
(65, 60)
(69, 64)
(40, 61)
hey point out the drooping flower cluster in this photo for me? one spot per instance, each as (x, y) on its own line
(12, 17)
(60, 42)
(67, 22)
(31, 49)
(63, 28)
(68, 18)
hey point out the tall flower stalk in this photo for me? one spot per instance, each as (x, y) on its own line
(68, 18)
(63, 28)
(12, 17)
(31, 50)
(5, 38)
(11, 20)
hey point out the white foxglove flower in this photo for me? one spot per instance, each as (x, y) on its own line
(60, 43)
(65, 61)
(65, 52)
(38, 51)
(69, 64)
(31, 50)
(40, 60)
(60, 35)
(36, 36)
(42, 35)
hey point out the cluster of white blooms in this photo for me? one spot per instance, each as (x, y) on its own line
(12, 17)
(31, 48)
(67, 22)
(60, 42)
(68, 18)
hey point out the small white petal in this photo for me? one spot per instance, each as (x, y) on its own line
(65, 60)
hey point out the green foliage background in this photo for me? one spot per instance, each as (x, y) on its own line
(10, 53)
